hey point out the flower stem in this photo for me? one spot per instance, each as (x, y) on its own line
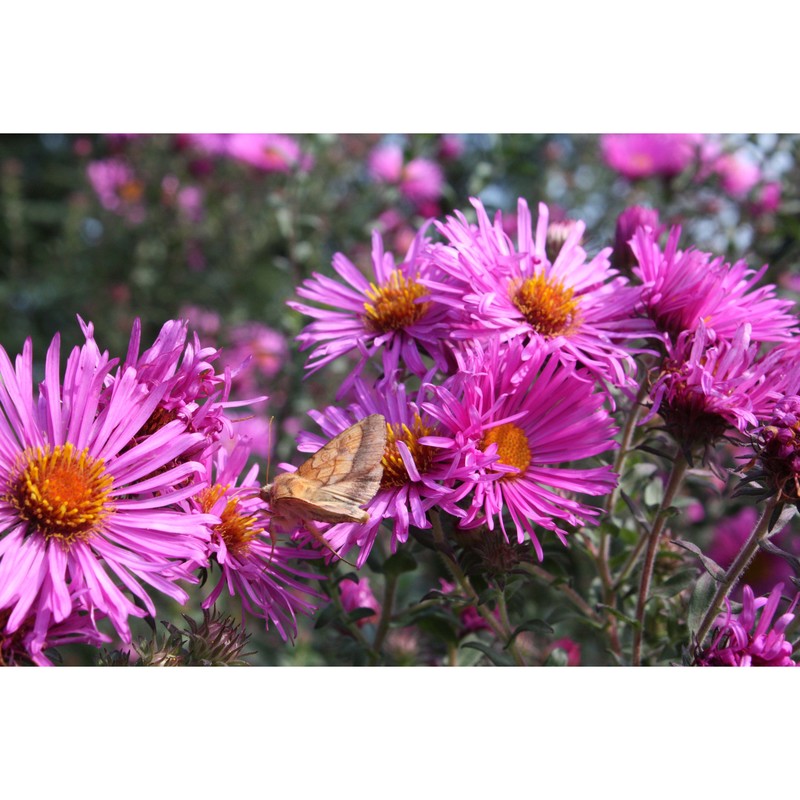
(500, 630)
(737, 568)
(568, 591)
(676, 477)
(386, 612)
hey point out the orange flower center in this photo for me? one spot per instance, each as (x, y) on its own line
(61, 493)
(235, 529)
(394, 306)
(512, 447)
(395, 473)
(131, 191)
(547, 305)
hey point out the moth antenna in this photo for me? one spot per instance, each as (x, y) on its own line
(269, 449)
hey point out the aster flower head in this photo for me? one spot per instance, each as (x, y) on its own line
(28, 645)
(86, 508)
(193, 391)
(750, 639)
(252, 566)
(576, 306)
(642, 155)
(710, 386)
(518, 417)
(777, 447)
(681, 288)
(394, 312)
(418, 473)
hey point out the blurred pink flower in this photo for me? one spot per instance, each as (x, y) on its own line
(385, 163)
(765, 569)
(257, 353)
(628, 222)
(451, 146)
(642, 155)
(271, 152)
(738, 173)
(358, 594)
(420, 180)
(768, 198)
(118, 188)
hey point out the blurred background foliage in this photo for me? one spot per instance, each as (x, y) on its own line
(114, 227)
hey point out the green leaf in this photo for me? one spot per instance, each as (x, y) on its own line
(780, 517)
(637, 512)
(716, 571)
(498, 659)
(360, 613)
(402, 561)
(326, 616)
(675, 584)
(701, 601)
(535, 625)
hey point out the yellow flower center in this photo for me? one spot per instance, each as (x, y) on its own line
(547, 305)
(394, 305)
(395, 473)
(512, 447)
(61, 493)
(235, 529)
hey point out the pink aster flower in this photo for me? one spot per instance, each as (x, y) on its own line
(194, 392)
(748, 639)
(709, 386)
(777, 448)
(27, 646)
(571, 648)
(680, 288)
(417, 472)
(642, 155)
(118, 188)
(358, 594)
(87, 510)
(252, 566)
(270, 152)
(532, 417)
(580, 308)
(395, 312)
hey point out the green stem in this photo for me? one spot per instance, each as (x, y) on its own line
(500, 630)
(737, 568)
(386, 612)
(676, 477)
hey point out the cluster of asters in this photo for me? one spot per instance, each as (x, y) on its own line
(124, 477)
(499, 358)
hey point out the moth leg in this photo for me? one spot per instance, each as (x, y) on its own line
(317, 534)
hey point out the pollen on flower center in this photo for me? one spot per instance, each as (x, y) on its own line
(394, 470)
(547, 305)
(394, 305)
(512, 447)
(235, 529)
(60, 492)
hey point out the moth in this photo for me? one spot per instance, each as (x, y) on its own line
(335, 482)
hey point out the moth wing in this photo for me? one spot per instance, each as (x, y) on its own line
(348, 468)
